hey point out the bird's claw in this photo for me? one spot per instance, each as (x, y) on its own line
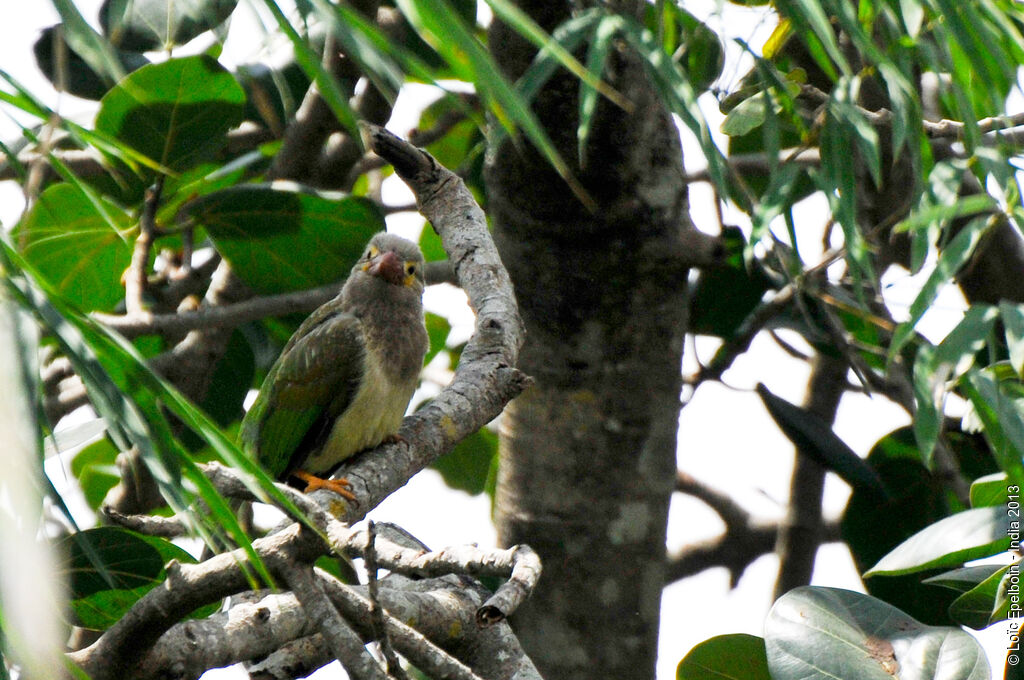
(314, 483)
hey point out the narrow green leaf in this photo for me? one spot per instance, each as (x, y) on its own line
(678, 93)
(444, 29)
(950, 542)
(589, 76)
(814, 438)
(597, 53)
(325, 82)
(952, 258)
(87, 43)
(813, 25)
(950, 360)
(132, 398)
(1002, 417)
(568, 35)
(1012, 316)
(937, 216)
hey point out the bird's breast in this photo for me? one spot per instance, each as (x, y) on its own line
(375, 412)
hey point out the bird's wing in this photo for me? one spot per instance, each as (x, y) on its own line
(315, 378)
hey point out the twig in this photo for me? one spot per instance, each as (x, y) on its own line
(519, 564)
(344, 643)
(136, 276)
(144, 323)
(380, 632)
(151, 525)
(745, 334)
(735, 550)
(232, 315)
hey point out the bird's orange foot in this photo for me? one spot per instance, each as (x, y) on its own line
(338, 486)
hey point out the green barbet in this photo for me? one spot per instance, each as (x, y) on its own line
(345, 378)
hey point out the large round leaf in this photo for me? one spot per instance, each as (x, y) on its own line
(110, 568)
(281, 237)
(871, 528)
(177, 113)
(825, 633)
(726, 657)
(78, 245)
(143, 25)
(69, 72)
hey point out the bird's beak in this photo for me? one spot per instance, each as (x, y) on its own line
(387, 266)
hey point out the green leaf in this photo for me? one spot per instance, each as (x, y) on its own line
(590, 76)
(71, 243)
(748, 115)
(1012, 316)
(438, 329)
(96, 471)
(984, 604)
(933, 369)
(468, 466)
(101, 593)
(950, 542)
(135, 403)
(69, 72)
(992, 490)
(431, 245)
(817, 633)
(964, 579)
(680, 96)
(814, 27)
(282, 237)
(701, 53)
(176, 113)
(938, 216)
(1002, 416)
(726, 657)
(311, 65)
(440, 25)
(872, 528)
(814, 438)
(952, 258)
(110, 568)
(97, 52)
(728, 292)
(148, 25)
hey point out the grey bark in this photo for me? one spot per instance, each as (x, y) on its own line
(588, 453)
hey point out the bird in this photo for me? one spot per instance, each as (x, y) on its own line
(344, 379)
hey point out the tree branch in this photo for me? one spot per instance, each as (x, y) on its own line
(745, 538)
(486, 378)
(343, 642)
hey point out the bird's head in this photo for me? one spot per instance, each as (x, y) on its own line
(393, 260)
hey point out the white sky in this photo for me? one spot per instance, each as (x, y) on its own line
(752, 462)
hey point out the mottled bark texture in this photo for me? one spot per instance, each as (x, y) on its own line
(588, 452)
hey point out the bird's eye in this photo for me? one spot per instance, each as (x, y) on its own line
(372, 252)
(410, 269)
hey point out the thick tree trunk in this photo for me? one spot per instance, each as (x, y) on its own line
(588, 453)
